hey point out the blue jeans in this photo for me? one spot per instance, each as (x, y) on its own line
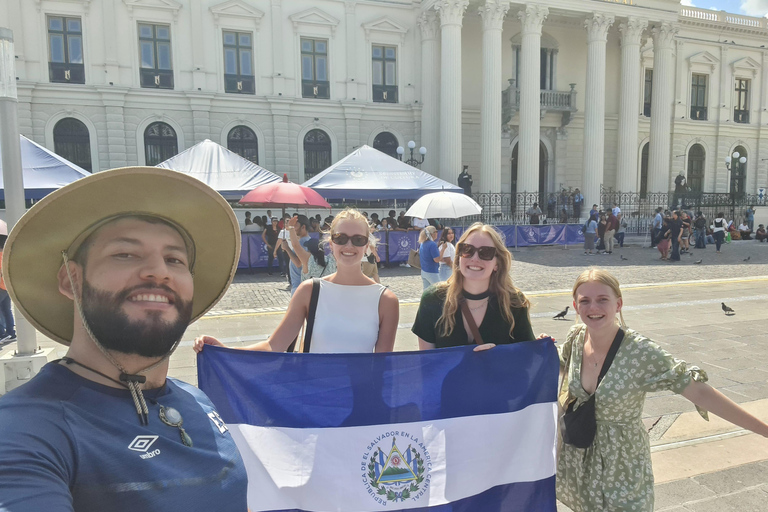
(701, 239)
(7, 314)
(620, 238)
(429, 278)
(445, 272)
(719, 237)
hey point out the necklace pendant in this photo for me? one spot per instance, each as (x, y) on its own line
(185, 439)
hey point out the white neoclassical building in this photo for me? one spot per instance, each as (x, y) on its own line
(539, 96)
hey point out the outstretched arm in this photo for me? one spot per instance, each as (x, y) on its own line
(707, 397)
(286, 331)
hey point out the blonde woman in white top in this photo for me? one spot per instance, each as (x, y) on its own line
(354, 313)
(447, 252)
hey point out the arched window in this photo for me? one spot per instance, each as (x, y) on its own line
(739, 172)
(696, 158)
(543, 182)
(72, 141)
(317, 152)
(159, 143)
(386, 143)
(243, 141)
(644, 170)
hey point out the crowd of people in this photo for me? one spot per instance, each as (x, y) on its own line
(675, 232)
(603, 230)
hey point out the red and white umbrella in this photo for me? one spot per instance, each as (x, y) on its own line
(282, 194)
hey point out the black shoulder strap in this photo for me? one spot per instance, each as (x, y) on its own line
(311, 313)
(611, 354)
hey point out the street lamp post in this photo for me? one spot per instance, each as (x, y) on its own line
(412, 161)
(735, 165)
(21, 366)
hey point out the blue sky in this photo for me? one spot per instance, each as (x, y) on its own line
(749, 7)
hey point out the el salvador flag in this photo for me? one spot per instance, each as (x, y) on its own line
(444, 430)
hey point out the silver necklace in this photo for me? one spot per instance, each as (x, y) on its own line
(482, 304)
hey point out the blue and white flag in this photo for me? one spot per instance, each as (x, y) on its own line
(445, 430)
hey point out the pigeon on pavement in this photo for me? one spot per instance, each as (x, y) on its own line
(623, 258)
(728, 311)
(562, 313)
(697, 262)
(747, 258)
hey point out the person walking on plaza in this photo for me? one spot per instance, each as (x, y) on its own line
(608, 466)
(447, 253)
(611, 225)
(621, 230)
(115, 266)
(578, 202)
(602, 225)
(718, 230)
(301, 226)
(685, 234)
(309, 255)
(370, 261)
(750, 216)
(675, 229)
(534, 214)
(8, 333)
(429, 257)
(590, 232)
(354, 314)
(656, 227)
(479, 293)
(700, 230)
(269, 237)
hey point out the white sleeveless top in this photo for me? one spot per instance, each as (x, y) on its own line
(347, 318)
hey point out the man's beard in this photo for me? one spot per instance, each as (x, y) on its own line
(152, 337)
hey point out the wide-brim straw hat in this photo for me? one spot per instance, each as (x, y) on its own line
(33, 252)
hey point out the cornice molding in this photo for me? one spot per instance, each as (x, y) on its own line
(385, 25)
(314, 17)
(159, 5)
(236, 9)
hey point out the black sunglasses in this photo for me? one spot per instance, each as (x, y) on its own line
(484, 253)
(342, 239)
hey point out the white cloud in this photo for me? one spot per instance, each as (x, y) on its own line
(688, 3)
(755, 7)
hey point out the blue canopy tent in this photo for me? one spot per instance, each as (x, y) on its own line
(43, 171)
(369, 174)
(224, 171)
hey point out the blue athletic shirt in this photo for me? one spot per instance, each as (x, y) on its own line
(70, 444)
(427, 254)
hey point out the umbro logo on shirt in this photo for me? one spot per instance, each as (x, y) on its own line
(143, 444)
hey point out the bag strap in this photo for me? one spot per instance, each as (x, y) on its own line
(471, 322)
(311, 313)
(611, 354)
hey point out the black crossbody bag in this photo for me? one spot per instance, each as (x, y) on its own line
(580, 425)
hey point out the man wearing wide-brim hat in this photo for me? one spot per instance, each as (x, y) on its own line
(117, 265)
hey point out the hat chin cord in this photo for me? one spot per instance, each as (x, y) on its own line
(131, 381)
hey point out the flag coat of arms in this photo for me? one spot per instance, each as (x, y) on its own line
(444, 430)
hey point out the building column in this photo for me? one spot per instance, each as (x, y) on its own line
(278, 80)
(114, 108)
(594, 108)
(631, 32)
(493, 13)
(661, 107)
(430, 91)
(451, 15)
(531, 18)
(351, 62)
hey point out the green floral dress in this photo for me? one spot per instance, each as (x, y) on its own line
(615, 473)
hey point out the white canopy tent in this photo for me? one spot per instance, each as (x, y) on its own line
(43, 171)
(367, 173)
(226, 172)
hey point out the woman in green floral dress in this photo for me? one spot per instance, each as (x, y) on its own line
(615, 473)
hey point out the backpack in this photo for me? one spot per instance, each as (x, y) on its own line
(719, 223)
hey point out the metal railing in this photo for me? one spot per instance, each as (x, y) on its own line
(638, 210)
